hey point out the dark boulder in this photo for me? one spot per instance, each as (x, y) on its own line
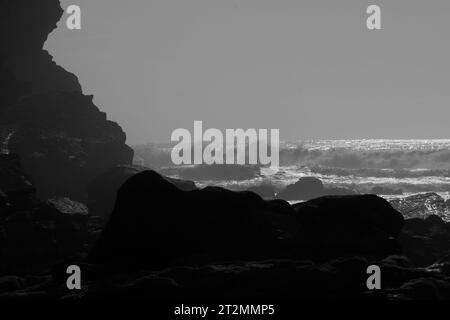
(156, 223)
(305, 188)
(365, 224)
(103, 189)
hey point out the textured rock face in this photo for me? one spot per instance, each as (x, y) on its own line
(422, 206)
(64, 141)
(62, 138)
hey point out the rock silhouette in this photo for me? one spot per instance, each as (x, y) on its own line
(160, 224)
(103, 189)
(24, 28)
(215, 223)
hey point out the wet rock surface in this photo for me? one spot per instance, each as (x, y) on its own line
(422, 206)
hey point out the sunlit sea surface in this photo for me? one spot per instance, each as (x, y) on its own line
(415, 166)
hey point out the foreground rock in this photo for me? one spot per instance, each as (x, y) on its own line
(157, 224)
(274, 280)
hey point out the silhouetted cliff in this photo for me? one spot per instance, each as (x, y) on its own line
(62, 138)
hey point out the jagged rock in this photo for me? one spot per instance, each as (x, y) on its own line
(421, 206)
(348, 224)
(306, 188)
(24, 28)
(64, 141)
(103, 189)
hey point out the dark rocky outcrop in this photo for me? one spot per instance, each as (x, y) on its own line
(165, 239)
(225, 225)
(24, 28)
(155, 223)
(64, 141)
(103, 189)
(62, 138)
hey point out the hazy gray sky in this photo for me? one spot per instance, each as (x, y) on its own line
(309, 68)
